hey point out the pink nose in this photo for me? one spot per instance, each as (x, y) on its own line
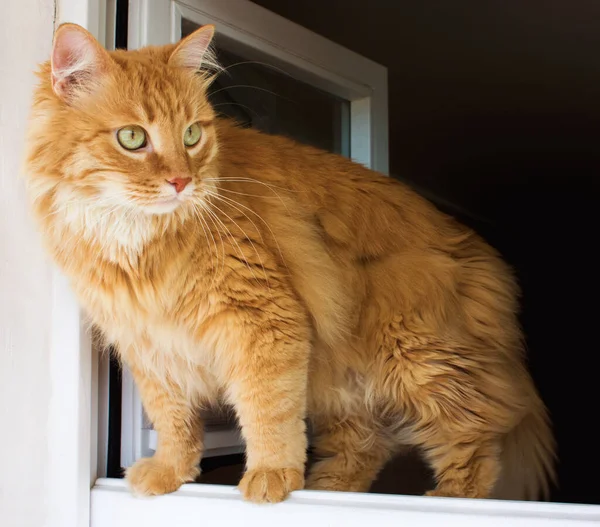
(179, 183)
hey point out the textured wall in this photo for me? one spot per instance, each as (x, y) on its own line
(25, 279)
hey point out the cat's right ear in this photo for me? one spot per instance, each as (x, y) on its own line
(193, 52)
(78, 62)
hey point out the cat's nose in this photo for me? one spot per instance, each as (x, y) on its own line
(179, 183)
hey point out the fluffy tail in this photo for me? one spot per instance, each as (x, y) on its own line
(528, 459)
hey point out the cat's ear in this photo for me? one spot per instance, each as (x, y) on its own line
(78, 62)
(194, 50)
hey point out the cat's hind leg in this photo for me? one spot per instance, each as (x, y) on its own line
(350, 453)
(458, 399)
(466, 466)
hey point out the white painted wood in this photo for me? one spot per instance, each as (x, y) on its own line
(149, 23)
(256, 33)
(111, 21)
(139, 440)
(70, 447)
(132, 422)
(361, 126)
(91, 14)
(101, 364)
(73, 422)
(45, 362)
(25, 281)
(113, 505)
(47, 375)
(218, 441)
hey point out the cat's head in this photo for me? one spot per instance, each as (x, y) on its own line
(128, 130)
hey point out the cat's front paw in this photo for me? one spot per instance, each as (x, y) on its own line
(270, 484)
(151, 477)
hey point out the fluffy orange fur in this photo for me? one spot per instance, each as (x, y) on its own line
(286, 281)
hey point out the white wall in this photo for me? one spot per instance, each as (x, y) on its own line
(25, 279)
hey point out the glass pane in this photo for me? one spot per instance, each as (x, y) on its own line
(264, 97)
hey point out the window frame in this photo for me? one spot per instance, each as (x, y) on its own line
(114, 506)
(258, 33)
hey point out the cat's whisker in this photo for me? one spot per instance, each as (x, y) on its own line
(255, 88)
(233, 204)
(228, 233)
(242, 255)
(245, 62)
(198, 214)
(236, 104)
(236, 204)
(218, 226)
(252, 180)
(250, 241)
(249, 180)
(205, 208)
(257, 230)
(222, 189)
(198, 217)
(218, 266)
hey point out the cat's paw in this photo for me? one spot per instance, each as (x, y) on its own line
(150, 477)
(270, 484)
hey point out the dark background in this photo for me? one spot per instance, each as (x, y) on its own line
(495, 107)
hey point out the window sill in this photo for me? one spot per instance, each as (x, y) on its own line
(195, 504)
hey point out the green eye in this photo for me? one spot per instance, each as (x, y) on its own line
(192, 135)
(132, 137)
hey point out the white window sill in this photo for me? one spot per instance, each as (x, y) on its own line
(112, 505)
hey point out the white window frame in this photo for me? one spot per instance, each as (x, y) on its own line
(261, 34)
(80, 498)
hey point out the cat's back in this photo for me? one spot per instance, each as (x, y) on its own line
(355, 208)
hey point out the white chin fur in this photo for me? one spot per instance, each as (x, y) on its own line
(162, 208)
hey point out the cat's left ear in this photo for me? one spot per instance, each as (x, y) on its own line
(193, 51)
(78, 62)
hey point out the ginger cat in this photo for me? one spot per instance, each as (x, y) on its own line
(229, 265)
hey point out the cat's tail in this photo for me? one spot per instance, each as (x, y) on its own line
(528, 459)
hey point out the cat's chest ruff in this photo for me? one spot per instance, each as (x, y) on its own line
(167, 298)
(120, 234)
(161, 322)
